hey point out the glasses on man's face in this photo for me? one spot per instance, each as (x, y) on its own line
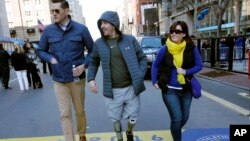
(176, 31)
(57, 11)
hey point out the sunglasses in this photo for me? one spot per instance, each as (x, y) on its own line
(176, 31)
(57, 11)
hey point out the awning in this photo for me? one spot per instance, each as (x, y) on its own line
(11, 40)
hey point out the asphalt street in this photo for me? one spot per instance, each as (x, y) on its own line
(36, 114)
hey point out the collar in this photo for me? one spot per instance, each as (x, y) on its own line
(65, 25)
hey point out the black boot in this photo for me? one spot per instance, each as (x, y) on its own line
(130, 136)
(8, 87)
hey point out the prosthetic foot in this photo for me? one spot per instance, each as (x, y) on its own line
(118, 130)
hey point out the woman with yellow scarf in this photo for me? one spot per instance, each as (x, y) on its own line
(178, 59)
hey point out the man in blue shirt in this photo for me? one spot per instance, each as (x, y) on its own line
(62, 44)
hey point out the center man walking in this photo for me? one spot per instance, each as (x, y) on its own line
(124, 66)
(62, 44)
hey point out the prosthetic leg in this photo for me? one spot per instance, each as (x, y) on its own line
(129, 133)
(118, 130)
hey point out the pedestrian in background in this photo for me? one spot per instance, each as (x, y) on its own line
(124, 66)
(4, 67)
(180, 60)
(45, 64)
(62, 44)
(18, 61)
(32, 65)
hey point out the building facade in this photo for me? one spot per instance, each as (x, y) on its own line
(141, 17)
(200, 15)
(76, 11)
(145, 17)
(4, 28)
(23, 16)
(235, 19)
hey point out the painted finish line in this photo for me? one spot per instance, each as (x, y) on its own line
(163, 135)
(206, 134)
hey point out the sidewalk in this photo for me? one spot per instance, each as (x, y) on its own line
(230, 78)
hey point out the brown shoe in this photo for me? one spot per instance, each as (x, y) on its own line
(83, 138)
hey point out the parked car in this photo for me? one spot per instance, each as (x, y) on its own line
(150, 46)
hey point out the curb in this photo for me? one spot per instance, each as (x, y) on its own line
(234, 85)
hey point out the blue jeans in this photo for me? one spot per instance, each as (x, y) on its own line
(178, 104)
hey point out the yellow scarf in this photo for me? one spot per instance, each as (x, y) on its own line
(177, 51)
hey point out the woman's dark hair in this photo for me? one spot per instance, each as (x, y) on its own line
(25, 48)
(64, 3)
(1, 46)
(184, 28)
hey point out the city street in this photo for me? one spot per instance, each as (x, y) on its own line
(35, 116)
(168, 31)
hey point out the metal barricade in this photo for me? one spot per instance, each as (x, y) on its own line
(224, 53)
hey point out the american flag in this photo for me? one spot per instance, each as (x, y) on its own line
(40, 25)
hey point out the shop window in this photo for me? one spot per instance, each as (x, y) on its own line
(27, 13)
(26, 2)
(31, 30)
(13, 33)
(38, 2)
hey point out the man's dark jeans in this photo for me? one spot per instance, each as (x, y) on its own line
(5, 76)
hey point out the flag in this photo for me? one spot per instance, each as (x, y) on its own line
(40, 25)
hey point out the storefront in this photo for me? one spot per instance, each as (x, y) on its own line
(207, 25)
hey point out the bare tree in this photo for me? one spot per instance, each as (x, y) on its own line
(220, 7)
(220, 10)
(237, 16)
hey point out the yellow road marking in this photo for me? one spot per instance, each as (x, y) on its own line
(163, 135)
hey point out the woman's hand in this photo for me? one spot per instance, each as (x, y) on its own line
(181, 71)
